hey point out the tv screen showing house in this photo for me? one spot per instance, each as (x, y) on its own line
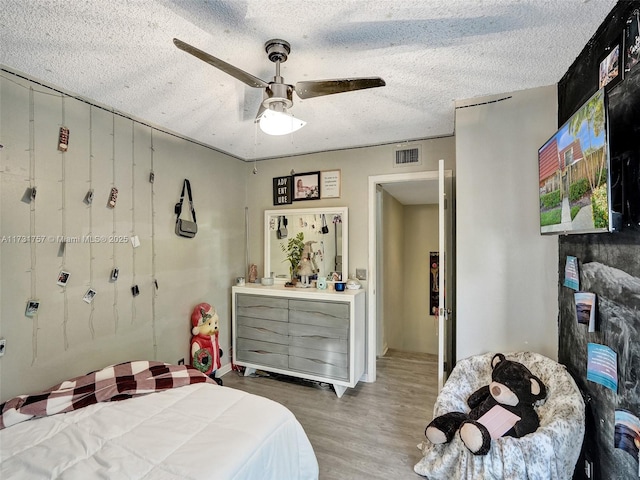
(573, 169)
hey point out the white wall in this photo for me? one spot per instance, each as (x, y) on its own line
(70, 337)
(507, 278)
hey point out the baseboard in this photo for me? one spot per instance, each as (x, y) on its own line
(223, 370)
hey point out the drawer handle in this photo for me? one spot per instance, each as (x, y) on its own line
(319, 361)
(262, 329)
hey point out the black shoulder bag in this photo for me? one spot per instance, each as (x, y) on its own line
(185, 228)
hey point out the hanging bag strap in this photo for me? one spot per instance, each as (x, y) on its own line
(325, 228)
(186, 184)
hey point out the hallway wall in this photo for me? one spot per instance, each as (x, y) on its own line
(410, 233)
(420, 238)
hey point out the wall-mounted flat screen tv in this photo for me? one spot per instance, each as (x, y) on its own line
(573, 168)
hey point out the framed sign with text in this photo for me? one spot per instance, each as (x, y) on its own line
(282, 190)
(330, 183)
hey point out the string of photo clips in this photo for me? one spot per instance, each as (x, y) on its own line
(88, 200)
(33, 303)
(63, 228)
(153, 251)
(32, 226)
(116, 313)
(133, 223)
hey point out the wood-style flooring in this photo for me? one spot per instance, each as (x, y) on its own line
(372, 432)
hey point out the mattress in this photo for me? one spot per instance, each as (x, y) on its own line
(198, 431)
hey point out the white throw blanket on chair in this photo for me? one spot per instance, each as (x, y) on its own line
(549, 453)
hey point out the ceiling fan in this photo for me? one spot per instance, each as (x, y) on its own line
(278, 96)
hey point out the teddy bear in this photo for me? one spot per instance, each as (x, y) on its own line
(307, 266)
(205, 349)
(513, 387)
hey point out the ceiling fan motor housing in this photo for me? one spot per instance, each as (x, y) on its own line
(278, 92)
(277, 50)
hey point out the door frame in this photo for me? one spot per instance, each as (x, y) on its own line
(372, 317)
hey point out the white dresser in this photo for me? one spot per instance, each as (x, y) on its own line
(302, 332)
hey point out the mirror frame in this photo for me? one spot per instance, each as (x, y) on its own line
(343, 211)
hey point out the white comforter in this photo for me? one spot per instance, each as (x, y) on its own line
(199, 431)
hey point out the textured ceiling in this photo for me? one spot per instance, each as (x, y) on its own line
(430, 53)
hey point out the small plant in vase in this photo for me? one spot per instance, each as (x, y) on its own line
(293, 248)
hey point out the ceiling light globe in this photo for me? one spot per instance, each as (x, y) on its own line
(279, 123)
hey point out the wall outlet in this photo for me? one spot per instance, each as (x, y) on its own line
(361, 273)
(588, 469)
(3, 344)
(181, 361)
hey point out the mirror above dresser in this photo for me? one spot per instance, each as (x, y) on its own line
(327, 228)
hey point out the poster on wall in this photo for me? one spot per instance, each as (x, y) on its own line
(627, 433)
(610, 72)
(602, 365)
(571, 275)
(632, 41)
(282, 190)
(434, 279)
(586, 309)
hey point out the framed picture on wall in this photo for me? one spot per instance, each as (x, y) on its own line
(434, 280)
(282, 187)
(610, 73)
(306, 186)
(330, 183)
(632, 41)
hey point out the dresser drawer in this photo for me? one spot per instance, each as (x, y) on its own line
(263, 330)
(332, 339)
(257, 306)
(329, 314)
(318, 362)
(262, 353)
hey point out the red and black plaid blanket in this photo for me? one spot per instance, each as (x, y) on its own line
(116, 382)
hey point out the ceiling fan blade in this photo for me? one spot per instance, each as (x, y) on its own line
(317, 88)
(221, 65)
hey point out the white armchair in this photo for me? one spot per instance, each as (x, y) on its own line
(549, 453)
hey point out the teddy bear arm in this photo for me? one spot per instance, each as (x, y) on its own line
(528, 423)
(479, 396)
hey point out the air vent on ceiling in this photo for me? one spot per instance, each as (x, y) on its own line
(407, 156)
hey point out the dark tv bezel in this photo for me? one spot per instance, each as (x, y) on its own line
(609, 228)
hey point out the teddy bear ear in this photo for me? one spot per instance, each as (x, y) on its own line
(497, 358)
(537, 387)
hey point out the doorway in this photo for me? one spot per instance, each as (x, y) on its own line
(403, 207)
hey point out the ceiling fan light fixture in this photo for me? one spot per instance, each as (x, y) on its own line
(273, 122)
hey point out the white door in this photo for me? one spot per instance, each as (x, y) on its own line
(445, 274)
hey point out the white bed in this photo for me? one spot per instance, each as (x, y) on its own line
(197, 431)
